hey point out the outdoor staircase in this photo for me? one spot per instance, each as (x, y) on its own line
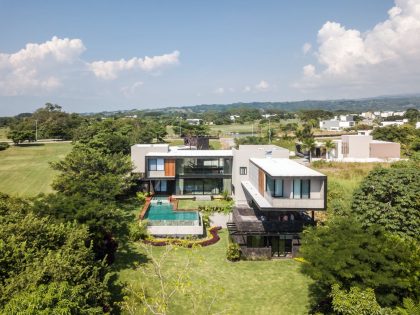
(232, 228)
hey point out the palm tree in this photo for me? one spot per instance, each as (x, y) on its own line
(329, 145)
(309, 144)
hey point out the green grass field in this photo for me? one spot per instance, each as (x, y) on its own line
(25, 169)
(245, 287)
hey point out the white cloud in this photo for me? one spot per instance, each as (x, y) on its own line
(247, 89)
(306, 48)
(262, 86)
(41, 68)
(385, 59)
(131, 89)
(219, 90)
(109, 70)
(38, 66)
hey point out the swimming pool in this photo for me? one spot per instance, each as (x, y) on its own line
(161, 210)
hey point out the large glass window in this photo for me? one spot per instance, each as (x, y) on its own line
(274, 187)
(156, 164)
(296, 189)
(161, 186)
(206, 186)
(278, 188)
(306, 188)
(301, 189)
(205, 166)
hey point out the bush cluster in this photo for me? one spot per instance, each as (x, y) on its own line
(3, 146)
(212, 239)
(233, 252)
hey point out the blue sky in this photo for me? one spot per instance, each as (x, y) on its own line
(203, 52)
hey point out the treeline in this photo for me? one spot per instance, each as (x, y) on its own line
(52, 122)
(346, 105)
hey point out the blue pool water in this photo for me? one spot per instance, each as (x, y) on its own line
(164, 211)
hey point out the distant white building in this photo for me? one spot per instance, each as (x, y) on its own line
(194, 121)
(399, 113)
(233, 117)
(394, 123)
(338, 123)
(362, 148)
(418, 125)
(387, 114)
(266, 116)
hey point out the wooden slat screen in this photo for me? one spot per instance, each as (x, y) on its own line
(169, 167)
(261, 181)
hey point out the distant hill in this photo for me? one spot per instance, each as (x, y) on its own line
(382, 103)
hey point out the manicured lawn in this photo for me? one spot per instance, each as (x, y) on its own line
(194, 204)
(245, 287)
(25, 170)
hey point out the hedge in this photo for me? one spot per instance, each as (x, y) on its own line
(212, 239)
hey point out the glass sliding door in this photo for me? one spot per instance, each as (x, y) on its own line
(306, 188)
(296, 189)
(213, 186)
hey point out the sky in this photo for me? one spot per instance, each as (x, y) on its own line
(91, 56)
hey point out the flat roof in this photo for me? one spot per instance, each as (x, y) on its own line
(255, 194)
(152, 145)
(282, 167)
(192, 153)
(380, 141)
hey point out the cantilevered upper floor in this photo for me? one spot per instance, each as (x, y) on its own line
(283, 184)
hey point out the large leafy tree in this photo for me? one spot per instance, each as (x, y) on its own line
(47, 266)
(92, 174)
(407, 135)
(343, 252)
(47, 122)
(390, 197)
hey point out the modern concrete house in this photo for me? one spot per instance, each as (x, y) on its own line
(338, 123)
(274, 197)
(362, 148)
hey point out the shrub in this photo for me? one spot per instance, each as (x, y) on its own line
(206, 219)
(212, 239)
(141, 196)
(138, 230)
(226, 195)
(3, 146)
(233, 252)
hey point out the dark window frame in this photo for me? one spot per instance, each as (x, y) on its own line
(153, 164)
(243, 170)
(273, 193)
(301, 188)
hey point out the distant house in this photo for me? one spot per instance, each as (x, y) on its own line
(234, 117)
(362, 148)
(194, 121)
(338, 123)
(266, 116)
(394, 123)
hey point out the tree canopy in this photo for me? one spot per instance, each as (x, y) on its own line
(46, 266)
(343, 252)
(390, 197)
